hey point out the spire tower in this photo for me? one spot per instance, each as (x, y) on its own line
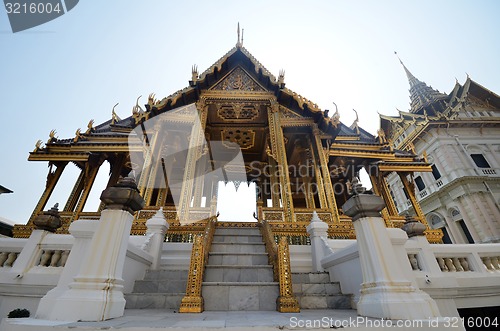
(421, 95)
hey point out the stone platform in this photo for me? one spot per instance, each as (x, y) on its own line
(163, 320)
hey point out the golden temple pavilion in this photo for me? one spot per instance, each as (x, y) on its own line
(234, 122)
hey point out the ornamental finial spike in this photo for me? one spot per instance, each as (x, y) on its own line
(238, 43)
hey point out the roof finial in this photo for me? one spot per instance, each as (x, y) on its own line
(398, 57)
(355, 123)
(281, 78)
(238, 43)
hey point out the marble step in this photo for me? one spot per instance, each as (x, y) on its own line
(318, 301)
(160, 286)
(153, 300)
(310, 277)
(237, 231)
(166, 275)
(252, 238)
(316, 289)
(240, 259)
(235, 274)
(249, 247)
(240, 296)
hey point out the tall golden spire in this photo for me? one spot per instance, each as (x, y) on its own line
(420, 94)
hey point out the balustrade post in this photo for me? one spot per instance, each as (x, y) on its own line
(157, 227)
(82, 231)
(96, 294)
(45, 223)
(317, 229)
(386, 292)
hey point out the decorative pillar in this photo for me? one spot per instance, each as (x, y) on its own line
(381, 188)
(308, 192)
(317, 230)
(157, 227)
(386, 292)
(82, 231)
(151, 180)
(52, 179)
(116, 169)
(274, 183)
(196, 142)
(390, 205)
(279, 152)
(327, 181)
(75, 193)
(410, 189)
(214, 194)
(91, 169)
(96, 294)
(319, 178)
(199, 182)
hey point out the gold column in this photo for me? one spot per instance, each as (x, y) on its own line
(319, 178)
(199, 182)
(155, 164)
(52, 179)
(274, 183)
(75, 193)
(150, 161)
(279, 151)
(381, 188)
(327, 181)
(410, 189)
(213, 196)
(167, 164)
(195, 148)
(308, 193)
(116, 171)
(91, 170)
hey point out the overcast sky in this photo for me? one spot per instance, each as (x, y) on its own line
(75, 68)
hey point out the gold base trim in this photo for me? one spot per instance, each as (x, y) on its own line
(191, 305)
(287, 305)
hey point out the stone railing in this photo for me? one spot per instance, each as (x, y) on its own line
(9, 251)
(30, 267)
(279, 257)
(192, 302)
(53, 258)
(478, 258)
(456, 276)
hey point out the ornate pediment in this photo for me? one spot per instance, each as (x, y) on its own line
(238, 80)
(287, 113)
(237, 111)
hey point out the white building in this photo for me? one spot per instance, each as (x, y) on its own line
(459, 133)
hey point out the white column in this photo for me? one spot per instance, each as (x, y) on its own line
(82, 231)
(317, 229)
(157, 227)
(96, 294)
(386, 292)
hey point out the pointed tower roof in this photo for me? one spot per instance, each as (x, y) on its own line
(421, 95)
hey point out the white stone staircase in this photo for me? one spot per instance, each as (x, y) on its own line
(315, 291)
(238, 276)
(160, 289)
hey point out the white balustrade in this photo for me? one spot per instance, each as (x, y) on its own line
(7, 259)
(53, 258)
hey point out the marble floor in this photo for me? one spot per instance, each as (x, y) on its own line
(170, 320)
